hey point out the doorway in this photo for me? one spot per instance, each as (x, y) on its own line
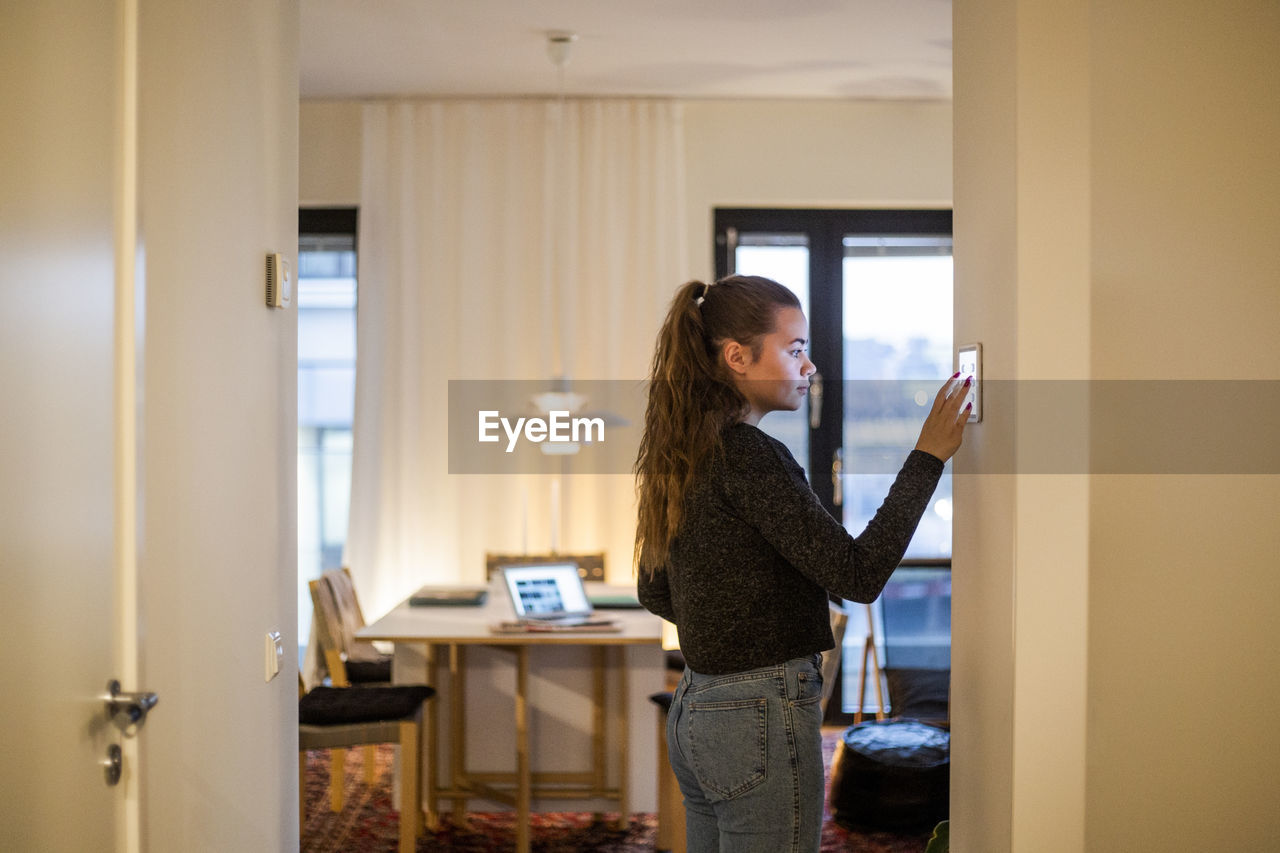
(327, 296)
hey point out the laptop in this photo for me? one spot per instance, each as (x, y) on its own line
(549, 594)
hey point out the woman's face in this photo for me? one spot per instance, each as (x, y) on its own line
(779, 378)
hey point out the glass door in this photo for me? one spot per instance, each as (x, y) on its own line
(897, 314)
(877, 289)
(897, 322)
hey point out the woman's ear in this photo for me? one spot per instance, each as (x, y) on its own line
(736, 356)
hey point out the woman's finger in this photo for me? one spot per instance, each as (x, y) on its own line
(956, 399)
(944, 394)
(963, 392)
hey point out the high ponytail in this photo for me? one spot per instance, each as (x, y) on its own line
(692, 397)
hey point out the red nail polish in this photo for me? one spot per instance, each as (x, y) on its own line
(954, 375)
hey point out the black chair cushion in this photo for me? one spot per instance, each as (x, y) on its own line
(919, 694)
(369, 671)
(663, 701)
(333, 706)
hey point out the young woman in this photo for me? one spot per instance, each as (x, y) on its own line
(735, 549)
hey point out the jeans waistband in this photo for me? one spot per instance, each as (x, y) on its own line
(789, 670)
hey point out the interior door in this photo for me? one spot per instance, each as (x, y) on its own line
(109, 134)
(60, 519)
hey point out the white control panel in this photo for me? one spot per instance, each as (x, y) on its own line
(969, 363)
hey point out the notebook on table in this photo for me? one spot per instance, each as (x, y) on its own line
(550, 597)
(449, 596)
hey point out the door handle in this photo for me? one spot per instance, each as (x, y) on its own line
(837, 477)
(730, 242)
(815, 401)
(128, 709)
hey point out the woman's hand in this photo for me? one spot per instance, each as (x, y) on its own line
(943, 429)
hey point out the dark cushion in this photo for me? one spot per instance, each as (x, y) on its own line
(663, 701)
(369, 671)
(332, 706)
(891, 775)
(919, 694)
(899, 743)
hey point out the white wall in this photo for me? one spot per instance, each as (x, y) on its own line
(218, 151)
(738, 153)
(1184, 675)
(329, 134)
(982, 604)
(1113, 664)
(864, 154)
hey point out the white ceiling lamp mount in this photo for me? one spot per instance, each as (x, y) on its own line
(560, 46)
(559, 51)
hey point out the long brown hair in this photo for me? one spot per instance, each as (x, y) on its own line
(692, 398)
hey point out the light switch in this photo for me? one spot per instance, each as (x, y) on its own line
(969, 363)
(279, 281)
(275, 654)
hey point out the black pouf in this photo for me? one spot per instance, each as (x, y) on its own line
(891, 775)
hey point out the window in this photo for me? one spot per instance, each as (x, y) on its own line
(897, 349)
(876, 286)
(326, 299)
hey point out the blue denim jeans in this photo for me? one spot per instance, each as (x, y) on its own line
(747, 751)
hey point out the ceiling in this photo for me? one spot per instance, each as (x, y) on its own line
(878, 49)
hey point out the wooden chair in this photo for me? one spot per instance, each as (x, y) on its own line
(337, 619)
(348, 661)
(336, 718)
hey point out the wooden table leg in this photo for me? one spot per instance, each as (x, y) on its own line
(524, 778)
(458, 732)
(599, 704)
(410, 795)
(624, 765)
(431, 780)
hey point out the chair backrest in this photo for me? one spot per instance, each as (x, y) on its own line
(831, 657)
(337, 619)
(590, 566)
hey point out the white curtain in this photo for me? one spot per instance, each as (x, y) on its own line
(500, 240)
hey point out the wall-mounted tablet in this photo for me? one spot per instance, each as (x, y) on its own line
(969, 363)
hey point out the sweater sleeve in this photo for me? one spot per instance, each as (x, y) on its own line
(770, 494)
(654, 593)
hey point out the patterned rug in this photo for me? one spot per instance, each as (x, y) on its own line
(369, 822)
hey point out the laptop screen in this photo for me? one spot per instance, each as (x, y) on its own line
(548, 591)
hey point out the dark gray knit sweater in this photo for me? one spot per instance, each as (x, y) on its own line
(746, 577)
